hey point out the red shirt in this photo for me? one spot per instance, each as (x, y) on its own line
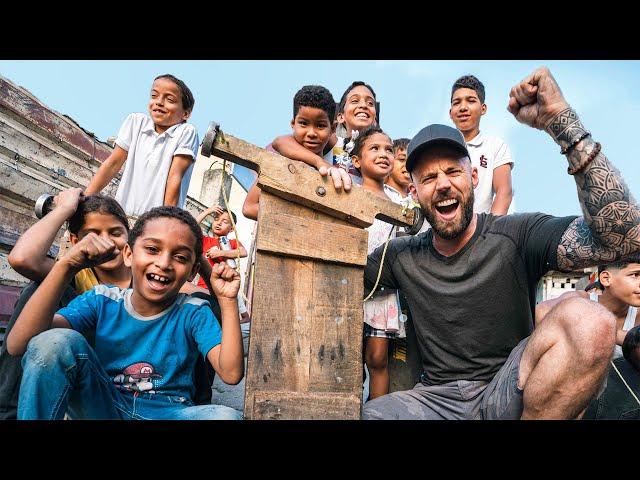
(207, 243)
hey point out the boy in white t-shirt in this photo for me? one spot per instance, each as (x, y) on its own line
(159, 150)
(490, 155)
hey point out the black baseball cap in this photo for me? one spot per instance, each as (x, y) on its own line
(431, 135)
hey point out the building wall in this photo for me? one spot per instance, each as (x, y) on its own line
(554, 284)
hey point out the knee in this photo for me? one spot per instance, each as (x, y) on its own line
(376, 359)
(370, 412)
(218, 412)
(50, 347)
(381, 408)
(590, 327)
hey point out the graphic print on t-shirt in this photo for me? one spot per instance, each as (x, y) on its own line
(137, 378)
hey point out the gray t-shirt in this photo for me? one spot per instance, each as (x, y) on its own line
(471, 309)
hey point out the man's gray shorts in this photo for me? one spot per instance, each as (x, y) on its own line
(458, 400)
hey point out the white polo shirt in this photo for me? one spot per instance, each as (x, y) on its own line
(148, 162)
(487, 153)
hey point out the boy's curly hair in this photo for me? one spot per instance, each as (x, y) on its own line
(315, 96)
(187, 97)
(168, 212)
(469, 81)
(97, 204)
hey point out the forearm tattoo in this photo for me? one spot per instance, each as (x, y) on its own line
(609, 228)
(567, 129)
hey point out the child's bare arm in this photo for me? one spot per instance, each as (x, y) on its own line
(227, 357)
(39, 314)
(29, 255)
(287, 146)
(235, 253)
(107, 171)
(503, 190)
(179, 166)
(217, 209)
(251, 203)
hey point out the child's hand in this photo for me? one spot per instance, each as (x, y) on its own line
(340, 177)
(213, 252)
(69, 199)
(216, 210)
(92, 250)
(225, 281)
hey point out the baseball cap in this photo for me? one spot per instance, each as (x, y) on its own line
(435, 134)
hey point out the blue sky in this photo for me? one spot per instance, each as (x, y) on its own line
(252, 100)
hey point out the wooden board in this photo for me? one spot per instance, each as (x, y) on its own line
(27, 109)
(306, 327)
(302, 184)
(297, 406)
(302, 237)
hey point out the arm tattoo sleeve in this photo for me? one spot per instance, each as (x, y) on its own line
(609, 228)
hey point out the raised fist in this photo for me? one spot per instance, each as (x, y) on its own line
(225, 281)
(537, 99)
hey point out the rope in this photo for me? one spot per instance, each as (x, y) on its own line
(233, 223)
(384, 252)
(625, 383)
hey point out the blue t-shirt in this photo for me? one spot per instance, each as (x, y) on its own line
(154, 354)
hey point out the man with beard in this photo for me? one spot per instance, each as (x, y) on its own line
(470, 281)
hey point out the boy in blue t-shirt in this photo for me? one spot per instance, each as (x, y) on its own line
(147, 338)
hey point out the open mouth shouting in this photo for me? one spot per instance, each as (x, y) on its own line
(447, 209)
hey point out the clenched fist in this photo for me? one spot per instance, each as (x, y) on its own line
(537, 99)
(92, 250)
(225, 281)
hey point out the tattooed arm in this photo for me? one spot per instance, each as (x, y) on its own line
(609, 227)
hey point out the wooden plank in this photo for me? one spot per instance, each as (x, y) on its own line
(302, 184)
(296, 406)
(308, 238)
(27, 148)
(14, 224)
(336, 332)
(24, 184)
(30, 111)
(280, 321)
(306, 327)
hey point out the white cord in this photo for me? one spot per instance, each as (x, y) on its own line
(384, 252)
(233, 224)
(625, 383)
